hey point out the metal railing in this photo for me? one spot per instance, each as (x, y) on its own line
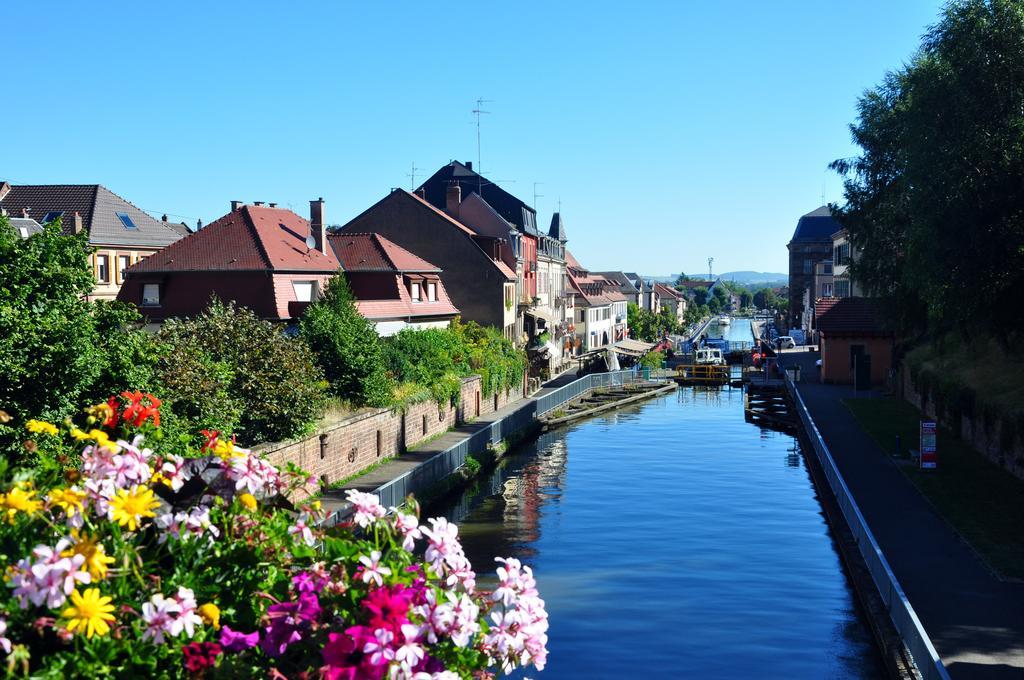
(444, 463)
(900, 610)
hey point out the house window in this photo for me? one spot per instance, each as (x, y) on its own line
(150, 294)
(826, 290)
(51, 216)
(807, 266)
(432, 292)
(103, 268)
(305, 291)
(842, 288)
(414, 292)
(123, 262)
(127, 221)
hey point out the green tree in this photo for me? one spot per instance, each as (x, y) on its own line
(48, 341)
(245, 369)
(701, 295)
(765, 298)
(347, 347)
(934, 201)
(642, 324)
(746, 298)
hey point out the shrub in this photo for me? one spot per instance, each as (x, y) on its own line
(432, 357)
(140, 563)
(229, 368)
(493, 356)
(652, 360)
(347, 347)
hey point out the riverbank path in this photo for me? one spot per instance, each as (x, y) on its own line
(334, 499)
(974, 619)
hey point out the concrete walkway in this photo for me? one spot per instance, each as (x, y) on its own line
(975, 620)
(334, 499)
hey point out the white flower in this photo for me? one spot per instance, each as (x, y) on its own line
(372, 571)
(379, 649)
(367, 506)
(409, 528)
(161, 616)
(301, 529)
(188, 619)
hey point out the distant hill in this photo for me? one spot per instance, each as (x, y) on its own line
(749, 277)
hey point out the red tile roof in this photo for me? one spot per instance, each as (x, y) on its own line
(247, 239)
(696, 284)
(667, 291)
(374, 253)
(848, 316)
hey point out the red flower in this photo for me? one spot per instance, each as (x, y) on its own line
(138, 411)
(199, 656)
(211, 438)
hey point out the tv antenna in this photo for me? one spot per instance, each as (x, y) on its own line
(711, 261)
(412, 176)
(535, 194)
(477, 112)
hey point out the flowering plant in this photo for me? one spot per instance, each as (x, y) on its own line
(197, 564)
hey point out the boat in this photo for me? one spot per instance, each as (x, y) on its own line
(708, 356)
(724, 320)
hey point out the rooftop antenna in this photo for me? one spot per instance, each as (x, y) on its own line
(711, 261)
(412, 176)
(479, 166)
(535, 194)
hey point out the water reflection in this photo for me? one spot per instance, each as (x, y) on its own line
(669, 542)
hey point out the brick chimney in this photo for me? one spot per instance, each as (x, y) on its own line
(422, 193)
(78, 223)
(235, 205)
(316, 224)
(453, 198)
(469, 165)
(24, 212)
(163, 218)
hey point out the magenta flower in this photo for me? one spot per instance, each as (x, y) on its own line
(287, 621)
(344, 658)
(389, 607)
(236, 641)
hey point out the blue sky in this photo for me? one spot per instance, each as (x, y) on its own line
(671, 132)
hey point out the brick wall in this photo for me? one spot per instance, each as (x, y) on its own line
(351, 445)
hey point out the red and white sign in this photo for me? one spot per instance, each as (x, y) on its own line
(929, 459)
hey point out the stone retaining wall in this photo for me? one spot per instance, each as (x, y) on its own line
(986, 440)
(354, 444)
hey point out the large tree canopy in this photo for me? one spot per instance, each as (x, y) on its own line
(935, 202)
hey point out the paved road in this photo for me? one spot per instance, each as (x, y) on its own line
(975, 620)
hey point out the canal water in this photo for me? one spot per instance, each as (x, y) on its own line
(671, 539)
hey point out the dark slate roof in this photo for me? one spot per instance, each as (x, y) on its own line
(557, 229)
(817, 225)
(622, 280)
(508, 206)
(848, 316)
(25, 226)
(98, 208)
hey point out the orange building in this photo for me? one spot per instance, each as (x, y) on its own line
(849, 327)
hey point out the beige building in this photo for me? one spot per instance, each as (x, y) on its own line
(843, 255)
(121, 233)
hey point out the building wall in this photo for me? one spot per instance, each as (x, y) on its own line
(107, 289)
(345, 448)
(187, 294)
(835, 358)
(802, 257)
(284, 290)
(530, 267)
(474, 284)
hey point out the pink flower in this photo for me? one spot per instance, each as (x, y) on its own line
(367, 506)
(189, 617)
(5, 642)
(161, 616)
(408, 527)
(303, 531)
(411, 653)
(388, 607)
(174, 471)
(344, 658)
(253, 474)
(372, 571)
(50, 579)
(235, 641)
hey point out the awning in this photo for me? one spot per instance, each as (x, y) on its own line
(538, 314)
(633, 348)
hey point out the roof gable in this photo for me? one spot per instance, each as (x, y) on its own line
(848, 315)
(374, 253)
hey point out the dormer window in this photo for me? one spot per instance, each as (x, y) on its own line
(414, 292)
(431, 291)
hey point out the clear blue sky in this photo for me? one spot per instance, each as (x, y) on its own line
(671, 133)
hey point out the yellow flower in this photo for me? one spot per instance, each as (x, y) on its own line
(248, 500)
(225, 448)
(89, 613)
(96, 558)
(41, 427)
(211, 614)
(158, 478)
(70, 500)
(78, 434)
(21, 498)
(100, 412)
(128, 508)
(101, 438)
